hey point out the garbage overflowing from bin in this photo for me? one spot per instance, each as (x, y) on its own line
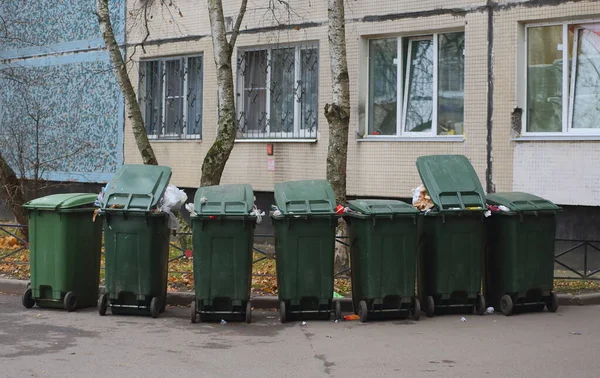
(223, 222)
(136, 233)
(64, 245)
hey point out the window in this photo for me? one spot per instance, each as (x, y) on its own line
(171, 97)
(278, 92)
(416, 85)
(563, 78)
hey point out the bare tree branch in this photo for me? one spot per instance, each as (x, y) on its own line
(238, 23)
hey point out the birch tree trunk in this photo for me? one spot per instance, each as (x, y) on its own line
(338, 115)
(133, 108)
(218, 154)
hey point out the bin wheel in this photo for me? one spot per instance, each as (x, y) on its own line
(27, 299)
(282, 313)
(506, 305)
(430, 310)
(363, 312)
(338, 310)
(70, 302)
(154, 307)
(552, 305)
(102, 304)
(248, 312)
(480, 306)
(417, 309)
(194, 312)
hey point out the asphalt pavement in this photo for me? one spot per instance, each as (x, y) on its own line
(54, 343)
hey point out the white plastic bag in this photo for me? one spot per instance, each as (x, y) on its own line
(416, 193)
(171, 202)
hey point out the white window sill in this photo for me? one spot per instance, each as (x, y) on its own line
(556, 138)
(282, 140)
(166, 140)
(433, 139)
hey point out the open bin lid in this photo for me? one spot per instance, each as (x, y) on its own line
(314, 197)
(375, 207)
(521, 202)
(451, 182)
(137, 187)
(234, 199)
(62, 201)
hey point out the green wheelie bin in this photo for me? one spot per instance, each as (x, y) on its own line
(305, 226)
(383, 250)
(136, 241)
(223, 237)
(64, 245)
(451, 237)
(520, 253)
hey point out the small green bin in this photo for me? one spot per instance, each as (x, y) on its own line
(383, 248)
(520, 253)
(451, 237)
(64, 246)
(136, 241)
(223, 235)
(305, 249)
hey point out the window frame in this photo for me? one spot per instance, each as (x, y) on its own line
(402, 88)
(184, 59)
(568, 82)
(269, 135)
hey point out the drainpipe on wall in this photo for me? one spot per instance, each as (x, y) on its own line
(489, 184)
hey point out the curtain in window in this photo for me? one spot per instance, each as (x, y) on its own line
(419, 105)
(194, 96)
(282, 88)
(309, 82)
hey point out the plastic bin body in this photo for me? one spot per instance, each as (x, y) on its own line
(305, 246)
(383, 247)
(520, 251)
(136, 239)
(65, 247)
(223, 237)
(451, 236)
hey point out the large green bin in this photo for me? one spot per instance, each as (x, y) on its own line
(383, 248)
(451, 237)
(136, 241)
(305, 248)
(64, 247)
(223, 234)
(520, 253)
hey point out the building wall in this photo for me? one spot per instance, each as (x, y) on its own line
(56, 46)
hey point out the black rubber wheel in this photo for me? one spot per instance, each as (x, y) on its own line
(248, 312)
(70, 302)
(480, 306)
(338, 310)
(282, 313)
(430, 309)
(363, 312)
(194, 312)
(27, 299)
(154, 307)
(102, 304)
(552, 305)
(506, 305)
(416, 313)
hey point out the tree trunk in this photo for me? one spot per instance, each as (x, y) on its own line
(14, 195)
(338, 115)
(218, 154)
(133, 109)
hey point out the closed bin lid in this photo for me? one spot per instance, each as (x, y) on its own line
(521, 202)
(377, 207)
(234, 199)
(305, 197)
(137, 187)
(62, 201)
(451, 182)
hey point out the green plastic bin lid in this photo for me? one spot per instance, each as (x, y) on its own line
(376, 207)
(62, 201)
(137, 187)
(305, 197)
(521, 202)
(451, 182)
(232, 199)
